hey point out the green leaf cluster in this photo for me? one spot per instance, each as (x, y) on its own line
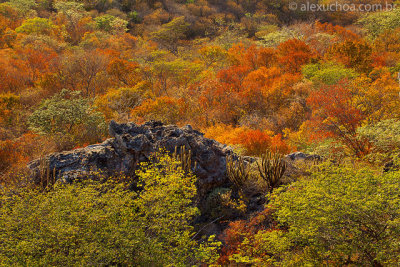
(385, 138)
(377, 23)
(111, 24)
(274, 38)
(68, 117)
(36, 26)
(329, 73)
(170, 33)
(95, 223)
(339, 216)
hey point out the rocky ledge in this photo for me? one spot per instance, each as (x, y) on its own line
(131, 144)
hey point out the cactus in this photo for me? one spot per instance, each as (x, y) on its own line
(185, 158)
(238, 172)
(272, 169)
(47, 176)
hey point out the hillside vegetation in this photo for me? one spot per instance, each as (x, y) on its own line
(255, 75)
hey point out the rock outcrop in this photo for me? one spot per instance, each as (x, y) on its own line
(132, 144)
(302, 156)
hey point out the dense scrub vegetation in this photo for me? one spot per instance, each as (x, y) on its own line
(243, 72)
(100, 222)
(336, 217)
(252, 74)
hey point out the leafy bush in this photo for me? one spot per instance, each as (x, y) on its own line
(340, 216)
(353, 54)
(170, 33)
(118, 102)
(165, 109)
(9, 103)
(74, 224)
(378, 22)
(36, 26)
(95, 223)
(327, 73)
(109, 23)
(384, 136)
(252, 142)
(274, 38)
(69, 119)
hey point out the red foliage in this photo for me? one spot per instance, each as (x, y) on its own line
(237, 231)
(13, 72)
(8, 154)
(353, 54)
(37, 61)
(334, 115)
(232, 78)
(252, 57)
(18, 152)
(293, 54)
(257, 142)
(336, 30)
(379, 60)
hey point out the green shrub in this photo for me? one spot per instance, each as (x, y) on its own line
(111, 24)
(36, 26)
(274, 38)
(385, 138)
(328, 73)
(341, 216)
(69, 119)
(376, 23)
(73, 224)
(96, 223)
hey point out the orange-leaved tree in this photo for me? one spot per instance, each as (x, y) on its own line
(166, 109)
(354, 54)
(293, 54)
(335, 115)
(253, 141)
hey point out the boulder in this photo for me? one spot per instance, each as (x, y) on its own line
(302, 156)
(131, 144)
